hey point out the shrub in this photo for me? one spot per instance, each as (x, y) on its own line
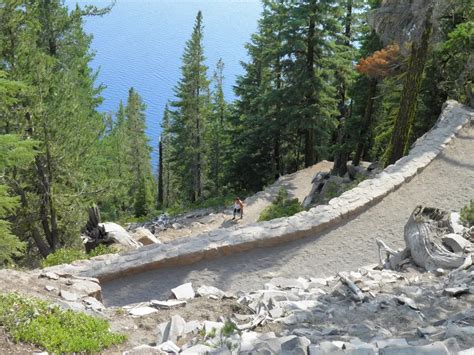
(467, 214)
(68, 255)
(281, 207)
(57, 331)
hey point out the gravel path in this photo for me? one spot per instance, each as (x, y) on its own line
(448, 182)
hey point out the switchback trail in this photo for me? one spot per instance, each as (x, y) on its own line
(448, 183)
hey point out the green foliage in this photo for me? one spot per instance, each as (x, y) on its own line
(67, 256)
(55, 330)
(228, 329)
(13, 153)
(467, 214)
(281, 207)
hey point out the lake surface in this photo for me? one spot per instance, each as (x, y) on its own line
(140, 43)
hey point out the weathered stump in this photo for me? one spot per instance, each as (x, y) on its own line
(423, 237)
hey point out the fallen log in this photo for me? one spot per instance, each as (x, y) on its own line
(356, 292)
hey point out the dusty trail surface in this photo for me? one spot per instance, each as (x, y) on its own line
(297, 184)
(448, 182)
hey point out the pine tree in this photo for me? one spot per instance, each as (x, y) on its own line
(139, 155)
(190, 118)
(217, 138)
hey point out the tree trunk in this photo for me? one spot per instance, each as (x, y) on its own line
(366, 123)
(309, 149)
(342, 155)
(160, 175)
(399, 142)
(423, 236)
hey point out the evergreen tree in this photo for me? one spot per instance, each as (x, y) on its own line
(189, 120)
(139, 155)
(217, 137)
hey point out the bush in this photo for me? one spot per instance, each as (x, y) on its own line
(467, 214)
(281, 207)
(57, 331)
(68, 255)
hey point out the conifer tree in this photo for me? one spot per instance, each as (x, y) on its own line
(190, 118)
(139, 155)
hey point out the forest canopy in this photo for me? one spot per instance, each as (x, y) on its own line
(345, 81)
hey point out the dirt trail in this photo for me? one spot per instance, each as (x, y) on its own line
(448, 182)
(297, 184)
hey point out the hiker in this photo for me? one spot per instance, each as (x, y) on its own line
(238, 207)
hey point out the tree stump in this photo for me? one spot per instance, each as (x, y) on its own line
(423, 237)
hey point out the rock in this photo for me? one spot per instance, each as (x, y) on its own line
(69, 296)
(50, 288)
(168, 304)
(408, 301)
(50, 275)
(177, 226)
(439, 272)
(184, 291)
(93, 303)
(145, 237)
(427, 331)
(198, 349)
(207, 291)
(437, 348)
(456, 291)
(271, 346)
(296, 346)
(454, 330)
(395, 342)
(175, 329)
(86, 287)
(466, 352)
(142, 311)
(325, 348)
(169, 347)
(192, 327)
(456, 243)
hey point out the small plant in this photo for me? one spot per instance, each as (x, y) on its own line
(56, 331)
(228, 329)
(281, 207)
(467, 214)
(332, 190)
(68, 255)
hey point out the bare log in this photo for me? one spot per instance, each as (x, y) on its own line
(393, 259)
(95, 233)
(423, 237)
(356, 293)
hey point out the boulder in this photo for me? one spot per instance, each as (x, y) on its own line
(198, 349)
(69, 296)
(296, 346)
(184, 292)
(175, 329)
(437, 348)
(167, 304)
(207, 291)
(144, 236)
(142, 311)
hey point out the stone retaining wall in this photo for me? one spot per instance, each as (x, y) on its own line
(308, 223)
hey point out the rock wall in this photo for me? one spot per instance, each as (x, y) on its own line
(308, 223)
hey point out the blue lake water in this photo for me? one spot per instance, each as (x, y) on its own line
(140, 43)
